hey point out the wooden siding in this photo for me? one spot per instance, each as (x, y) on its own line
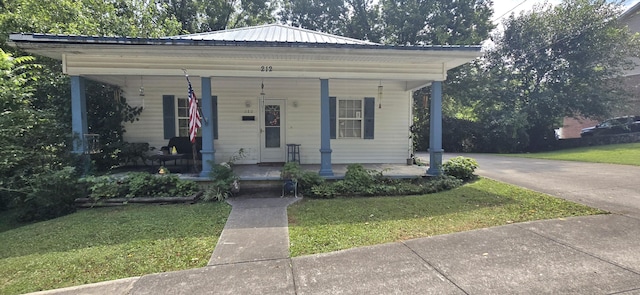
(390, 145)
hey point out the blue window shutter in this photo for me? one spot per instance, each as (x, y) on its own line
(369, 115)
(332, 116)
(214, 115)
(169, 116)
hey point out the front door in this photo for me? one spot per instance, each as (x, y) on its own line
(272, 131)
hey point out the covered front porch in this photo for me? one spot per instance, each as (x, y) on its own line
(263, 88)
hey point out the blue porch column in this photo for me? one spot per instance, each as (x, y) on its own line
(79, 125)
(325, 132)
(435, 130)
(208, 152)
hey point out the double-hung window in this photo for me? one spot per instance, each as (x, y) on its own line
(350, 118)
(183, 117)
(175, 116)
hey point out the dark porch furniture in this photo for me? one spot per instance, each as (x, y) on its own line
(183, 146)
(184, 151)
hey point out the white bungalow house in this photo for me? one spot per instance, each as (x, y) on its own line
(261, 88)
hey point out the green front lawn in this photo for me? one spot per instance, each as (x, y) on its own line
(108, 243)
(627, 154)
(318, 226)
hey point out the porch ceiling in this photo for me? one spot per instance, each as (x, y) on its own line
(216, 60)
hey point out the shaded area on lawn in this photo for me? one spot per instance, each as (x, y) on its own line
(317, 226)
(108, 243)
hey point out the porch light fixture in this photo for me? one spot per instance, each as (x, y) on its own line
(380, 90)
(141, 90)
(247, 103)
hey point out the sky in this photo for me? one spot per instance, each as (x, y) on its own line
(500, 7)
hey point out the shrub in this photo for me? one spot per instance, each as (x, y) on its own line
(290, 170)
(356, 174)
(105, 187)
(382, 186)
(306, 179)
(139, 185)
(460, 167)
(223, 183)
(323, 191)
(49, 195)
(441, 183)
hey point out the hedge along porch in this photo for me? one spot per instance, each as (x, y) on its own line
(343, 100)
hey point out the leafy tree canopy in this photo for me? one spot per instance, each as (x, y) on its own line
(551, 62)
(402, 22)
(441, 22)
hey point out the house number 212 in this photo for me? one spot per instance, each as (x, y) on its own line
(266, 69)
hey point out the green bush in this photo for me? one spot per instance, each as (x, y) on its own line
(323, 191)
(460, 167)
(306, 179)
(139, 185)
(224, 183)
(143, 184)
(105, 187)
(49, 195)
(359, 177)
(381, 186)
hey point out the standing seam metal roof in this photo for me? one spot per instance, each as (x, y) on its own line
(273, 33)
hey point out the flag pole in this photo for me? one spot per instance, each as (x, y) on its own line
(194, 121)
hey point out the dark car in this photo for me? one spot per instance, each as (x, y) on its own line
(612, 126)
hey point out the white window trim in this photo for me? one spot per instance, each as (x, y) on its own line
(178, 117)
(357, 118)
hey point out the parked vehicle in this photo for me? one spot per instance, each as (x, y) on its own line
(612, 126)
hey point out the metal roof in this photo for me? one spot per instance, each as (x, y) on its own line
(258, 36)
(273, 33)
(631, 11)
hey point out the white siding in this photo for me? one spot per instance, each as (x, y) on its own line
(633, 22)
(391, 143)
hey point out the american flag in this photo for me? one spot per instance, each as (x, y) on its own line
(194, 116)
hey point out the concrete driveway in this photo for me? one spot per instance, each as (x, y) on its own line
(615, 188)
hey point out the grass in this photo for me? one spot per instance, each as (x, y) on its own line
(108, 243)
(318, 226)
(627, 154)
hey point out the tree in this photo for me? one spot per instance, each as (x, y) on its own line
(31, 146)
(546, 64)
(196, 16)
(351, 18)
(440, 22)
(88, 17)
(328, 16)
(436, 22)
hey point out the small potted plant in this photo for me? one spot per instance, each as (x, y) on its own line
(290, 174)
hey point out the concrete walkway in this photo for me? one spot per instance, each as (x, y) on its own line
(582, 255)
(256, 230)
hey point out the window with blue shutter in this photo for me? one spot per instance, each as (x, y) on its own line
(353, 118)
(169, 111)
(169, 116)
(369, 115)
(214, 115)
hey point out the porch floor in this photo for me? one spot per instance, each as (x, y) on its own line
(252, 172)
(256, 172)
